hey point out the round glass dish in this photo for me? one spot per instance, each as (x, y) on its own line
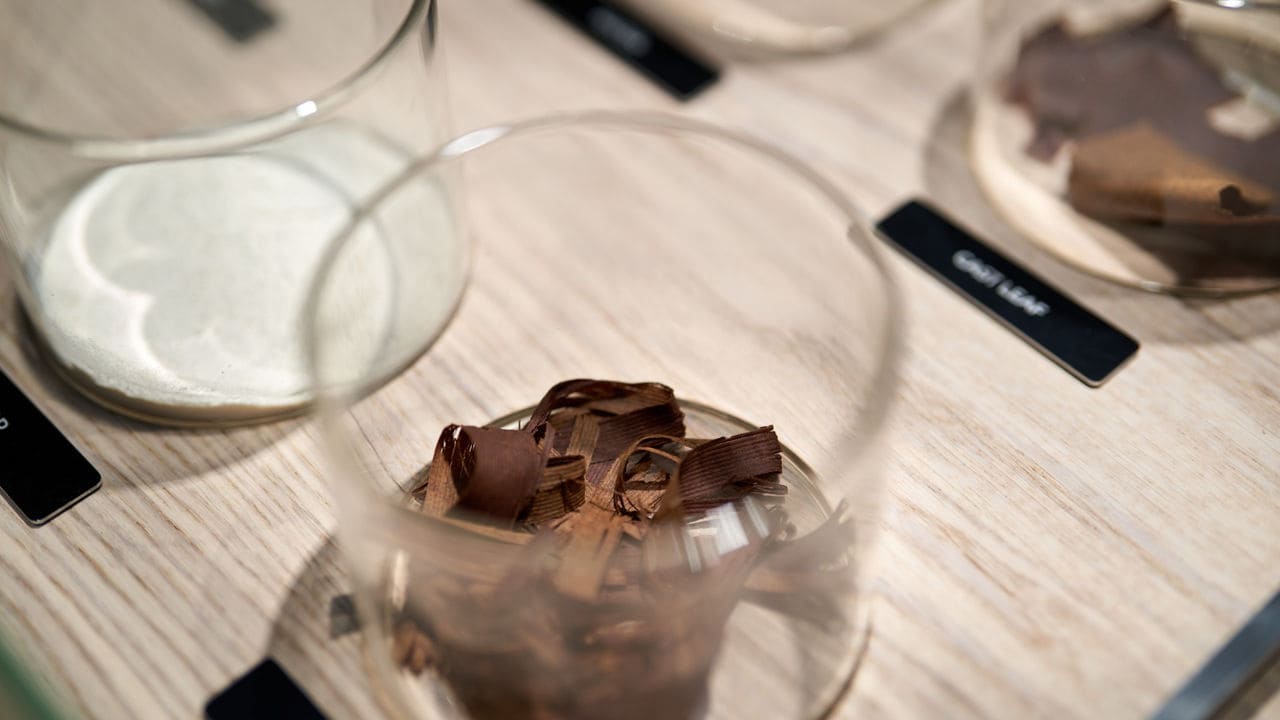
(775, 27)
(640, 248)
(170, 171)
(1138, 140)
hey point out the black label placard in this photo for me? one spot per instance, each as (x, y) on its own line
(1081, 342)
(42, 472)
(239, 19)
(640, 46)
(264, 693)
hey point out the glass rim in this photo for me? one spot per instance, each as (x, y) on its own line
(1265, 5)
(803, 37)
(237, 133)
(869, 421)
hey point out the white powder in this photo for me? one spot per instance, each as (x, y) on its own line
(175, 288)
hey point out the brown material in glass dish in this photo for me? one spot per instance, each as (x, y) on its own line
(593, 498)
(1133, 106)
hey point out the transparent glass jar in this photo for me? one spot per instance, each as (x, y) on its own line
(1138, 140)
(641, 248)
(775, 27)
(168, 179)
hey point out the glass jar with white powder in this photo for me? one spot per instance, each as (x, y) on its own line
(170, 174)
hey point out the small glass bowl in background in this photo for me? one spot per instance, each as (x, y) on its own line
(761, 28)
(1138, 140)
(634, 247)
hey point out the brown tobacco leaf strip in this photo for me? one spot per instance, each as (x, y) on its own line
(644, 484)
(729, 469)
(594, 464)
(582, 440)
(564, 467)
(418, 482)
(592, 534)
(496, 472)
(599, 491)
(641, 496)
(624, 411)
(1138, 173)
(585, 559)
(441, 495)
(596, 529)
(562, 490)
(617, 432)
(411, 648)
(619, 477)
(638, 396)
(563, 423)
(1075, 88)
(608, 396)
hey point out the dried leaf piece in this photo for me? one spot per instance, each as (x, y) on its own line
(623, 412)
(440, 495)
(596, 534)
(582, 439)
(411, 648)
(623, 471)
(563, 489)
(1075, 88)
(617, 432)
(640, 492)
(562, 423)
(607, 396)
(496, 472)
(1138, 173)
(727, 469)
(639, 601)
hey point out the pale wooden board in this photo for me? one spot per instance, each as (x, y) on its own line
(1048, 550)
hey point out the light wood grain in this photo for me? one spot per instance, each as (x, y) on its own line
(1048, 550)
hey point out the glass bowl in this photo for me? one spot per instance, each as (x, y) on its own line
(169, 172)
(1138, 140)
(633, 247)
(775, 27)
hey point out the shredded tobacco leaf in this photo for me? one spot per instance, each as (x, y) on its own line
(591, 496)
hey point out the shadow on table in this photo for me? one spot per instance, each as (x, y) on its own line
(321, 649)
(950, 184)
(330, 669)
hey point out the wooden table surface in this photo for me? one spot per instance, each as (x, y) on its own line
(1048, 550)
